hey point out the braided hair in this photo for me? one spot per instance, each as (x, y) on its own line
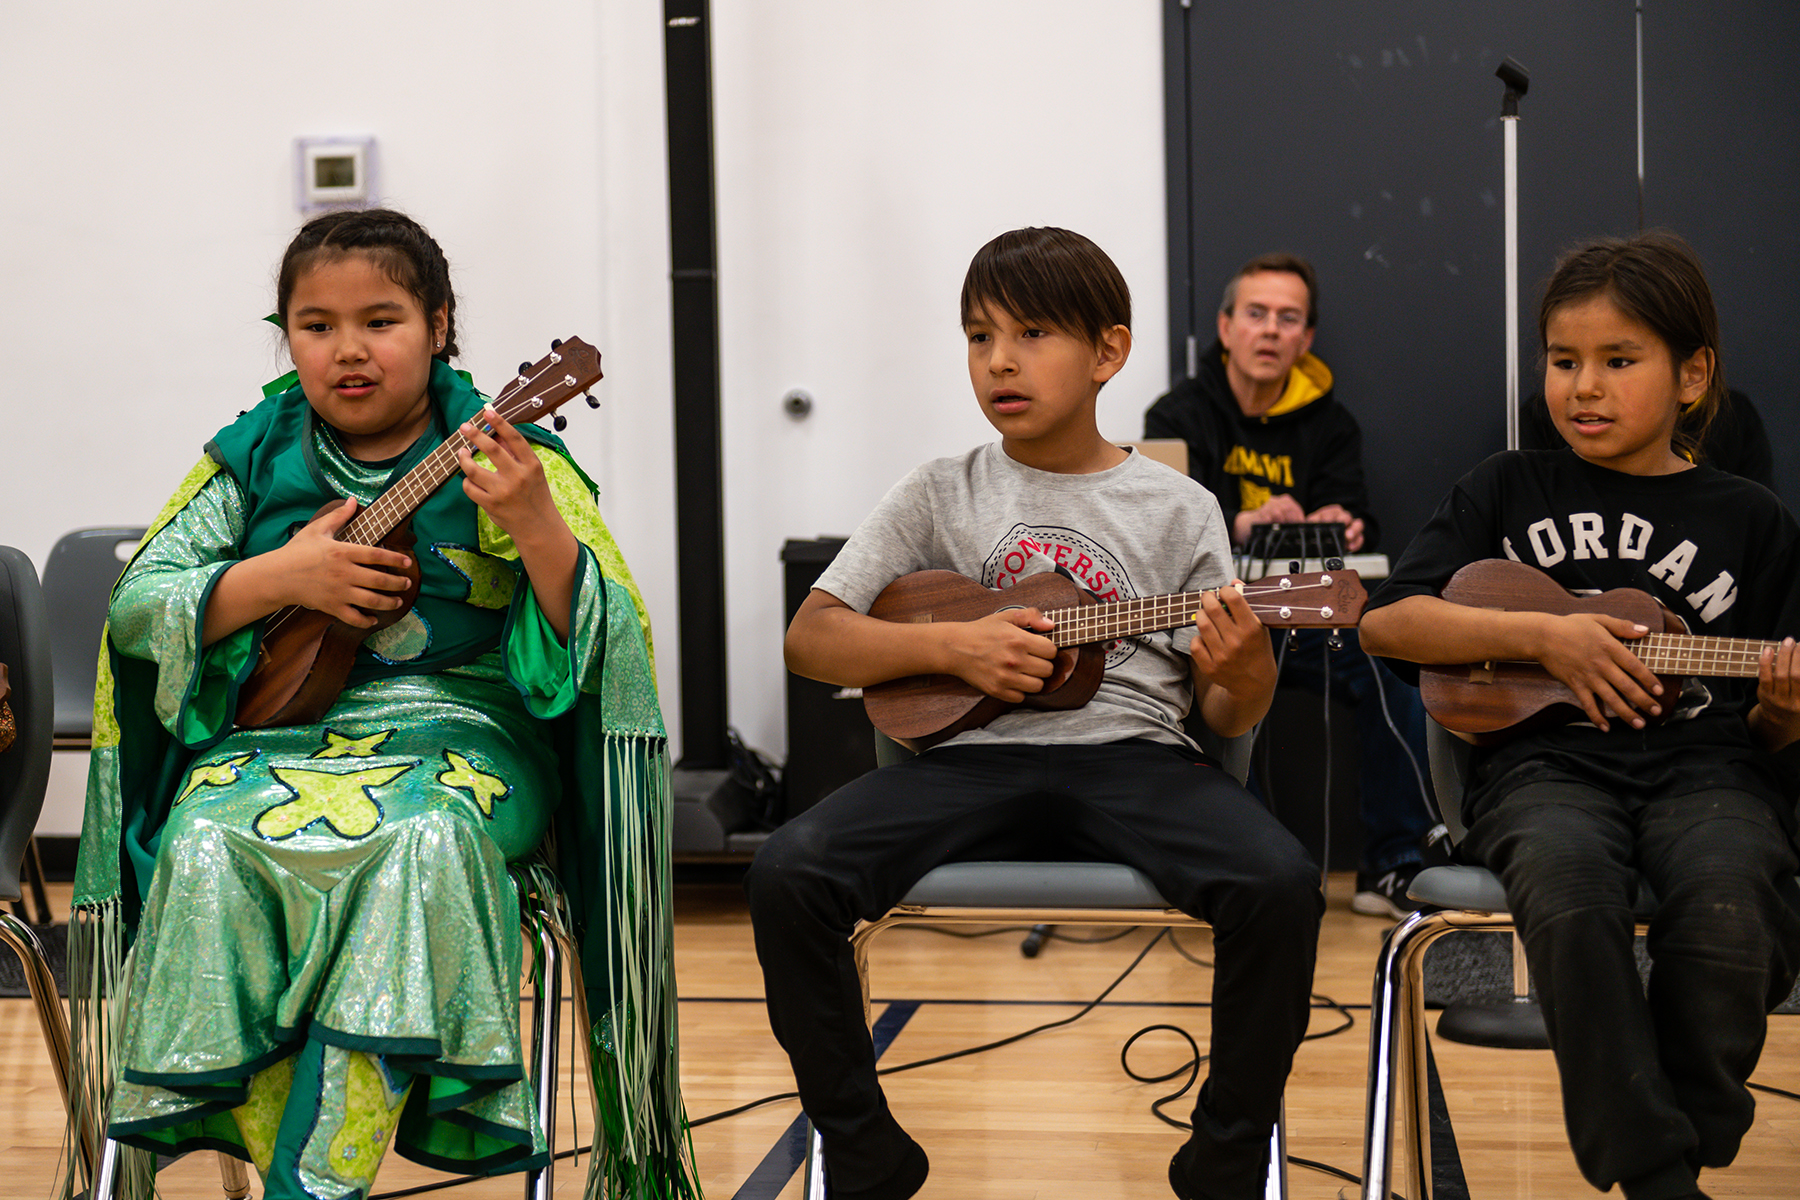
(393, 241)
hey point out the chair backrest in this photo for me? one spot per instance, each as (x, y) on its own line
(1171, 452)
(25, 768)
(78, 582)
(1449, 756)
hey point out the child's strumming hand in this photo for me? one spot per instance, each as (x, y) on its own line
(1004, 654)
(1776, 718)
(1588, 653)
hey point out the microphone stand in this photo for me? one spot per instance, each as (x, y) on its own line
(1514, 1021)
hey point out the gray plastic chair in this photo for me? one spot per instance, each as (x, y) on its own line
(1030, 893)
(78, 580)
(24, 773)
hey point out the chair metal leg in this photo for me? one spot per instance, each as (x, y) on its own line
(235, 1177)
(53, 1022)
(1275, 1187)
(812, 1187)
(106, 1179)
(546, 1013)
(1397, 1055)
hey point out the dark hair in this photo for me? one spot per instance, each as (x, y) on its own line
(396, 243)
(1656, 280)
(1287, 264)
(1051, 277)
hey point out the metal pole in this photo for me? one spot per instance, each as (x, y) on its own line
(1517, 80)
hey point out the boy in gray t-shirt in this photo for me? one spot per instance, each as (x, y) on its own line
(1048, 320)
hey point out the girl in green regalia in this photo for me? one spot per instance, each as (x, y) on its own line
(324, 938)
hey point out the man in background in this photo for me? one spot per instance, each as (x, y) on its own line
(1266, 435)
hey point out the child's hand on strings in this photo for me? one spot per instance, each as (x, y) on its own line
(1004, 654)
(1777, 714)
(342, 579)
(514, 492)
(1231, 648)
(1588, 653)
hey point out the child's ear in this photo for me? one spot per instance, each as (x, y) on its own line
(440, 324)
(1111, 351)
(1694, 376)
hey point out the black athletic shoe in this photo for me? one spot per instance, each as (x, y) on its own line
(1385, 895)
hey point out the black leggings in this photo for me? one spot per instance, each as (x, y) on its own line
(1653, 1086)
(1211, 849)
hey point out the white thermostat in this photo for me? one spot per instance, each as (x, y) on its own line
(334, 172)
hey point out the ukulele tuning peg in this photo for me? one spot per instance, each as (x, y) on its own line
(1293, 566)
(560, 422)
(524, 368)
(1334, 564)
(556, 343)
(1334, 641)
(592, 400)
(1293, 639)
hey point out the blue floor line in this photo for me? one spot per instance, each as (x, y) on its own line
(789, 1151)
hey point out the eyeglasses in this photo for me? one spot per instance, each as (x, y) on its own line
(1287, 320)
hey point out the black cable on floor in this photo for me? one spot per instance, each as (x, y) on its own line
(947, 931)
(963, 1053)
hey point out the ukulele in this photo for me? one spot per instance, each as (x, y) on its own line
(1489, 702)
(919, 711)
(305, 656)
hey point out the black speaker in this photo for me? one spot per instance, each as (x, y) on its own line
(830, 740)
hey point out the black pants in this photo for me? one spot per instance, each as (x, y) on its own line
(1210, 848)
(1653, 1087)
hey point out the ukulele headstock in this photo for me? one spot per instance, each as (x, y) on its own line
(1320, 599)
(540, 388)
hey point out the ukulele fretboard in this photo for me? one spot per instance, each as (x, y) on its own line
(1690, 654)
(1273, 603)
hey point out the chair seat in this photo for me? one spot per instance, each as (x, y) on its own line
(1478, 889)
(1457, 886)
(1035, 885)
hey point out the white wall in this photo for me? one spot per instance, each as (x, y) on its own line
(864, 153)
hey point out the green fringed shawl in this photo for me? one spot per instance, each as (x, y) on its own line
(609, 851)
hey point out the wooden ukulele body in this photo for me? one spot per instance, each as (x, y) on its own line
(919, 711)
(305, 656)
(1491, 702)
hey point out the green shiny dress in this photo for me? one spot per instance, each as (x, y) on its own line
(327, 911)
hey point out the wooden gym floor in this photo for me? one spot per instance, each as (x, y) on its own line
(1053, 1116)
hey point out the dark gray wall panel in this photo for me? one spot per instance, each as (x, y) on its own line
(1367, 137)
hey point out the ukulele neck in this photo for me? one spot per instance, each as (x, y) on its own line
(1275, 605)
(404, 496)
(1690, 654)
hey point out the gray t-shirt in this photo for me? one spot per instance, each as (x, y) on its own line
(1139, 529)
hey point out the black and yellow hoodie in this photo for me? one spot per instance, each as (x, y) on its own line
(1307, 444)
